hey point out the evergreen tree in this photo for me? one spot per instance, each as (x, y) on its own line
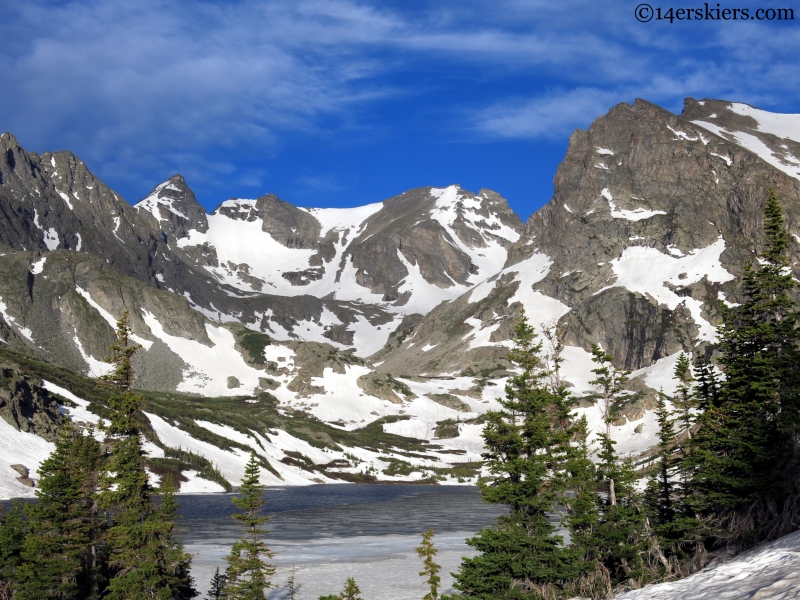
(583, 519)
(176, 561)
(121, 377)
(351, 591)
(743, 458)
(610, 380)
(427, 551)
(664, 509)
(60, 551)
(706, 390)
(248, 575)
(13, 528)
(620, 540)
(291, 584)
(685, 399)
(217, 586)
(143, 560)
(526, 452)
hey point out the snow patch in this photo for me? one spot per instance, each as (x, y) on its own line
(631, 215)
(97, 368)
(20, 447)
(66, 199)
(38, 266)
(50, 238)
(646, 271)
(209, 367)
(769, 571)
(342, 219)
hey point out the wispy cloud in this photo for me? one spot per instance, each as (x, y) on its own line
(553, 115)
(197, 85)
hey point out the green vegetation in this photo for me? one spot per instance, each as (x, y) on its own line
(254, 344)
(248, 575)
(427, 552)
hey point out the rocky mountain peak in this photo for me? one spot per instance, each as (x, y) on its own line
(175, 208)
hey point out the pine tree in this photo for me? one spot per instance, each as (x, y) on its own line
(685, 399)
(743, 458)
(427, 551)
(351, 591)
(526, 446)
(143, 560)
(248, 575)
(664, 509)
(121, 377)
(706, 390)
(176, 561)
(583, 519)
(610, 380)
(13, 528)
(291, 584)
(217, 585)
(60, 551)
(620, 540)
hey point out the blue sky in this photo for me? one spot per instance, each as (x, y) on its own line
(341, 103)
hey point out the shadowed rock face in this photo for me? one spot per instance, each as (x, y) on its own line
(26, 405)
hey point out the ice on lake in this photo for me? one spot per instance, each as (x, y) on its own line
(332, 532)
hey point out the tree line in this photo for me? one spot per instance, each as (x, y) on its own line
(724, 474)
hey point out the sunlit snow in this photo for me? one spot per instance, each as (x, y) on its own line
(646, 270)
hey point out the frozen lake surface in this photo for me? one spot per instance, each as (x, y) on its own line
(332, 532)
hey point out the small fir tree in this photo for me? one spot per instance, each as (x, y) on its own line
(248, 574)
(583, 519)
(427, 552)
(610, 380)
(292, 587)
(664, 509)
(121, 377)
(176, 561)
(685, 398)
(619, 541)
(217, 586)
(351, 591)
(706, 388)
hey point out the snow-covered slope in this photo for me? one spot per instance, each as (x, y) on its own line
(769, 572)
(775, 138)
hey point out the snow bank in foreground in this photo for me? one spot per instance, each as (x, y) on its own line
(769, 572)
(20, 447)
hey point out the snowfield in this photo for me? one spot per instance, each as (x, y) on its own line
(769, 572)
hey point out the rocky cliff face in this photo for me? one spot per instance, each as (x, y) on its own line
(26, 405)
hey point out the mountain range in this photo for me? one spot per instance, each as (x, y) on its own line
(375, 338)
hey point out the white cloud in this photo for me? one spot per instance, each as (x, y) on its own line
(136, 87)
(548, 116)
